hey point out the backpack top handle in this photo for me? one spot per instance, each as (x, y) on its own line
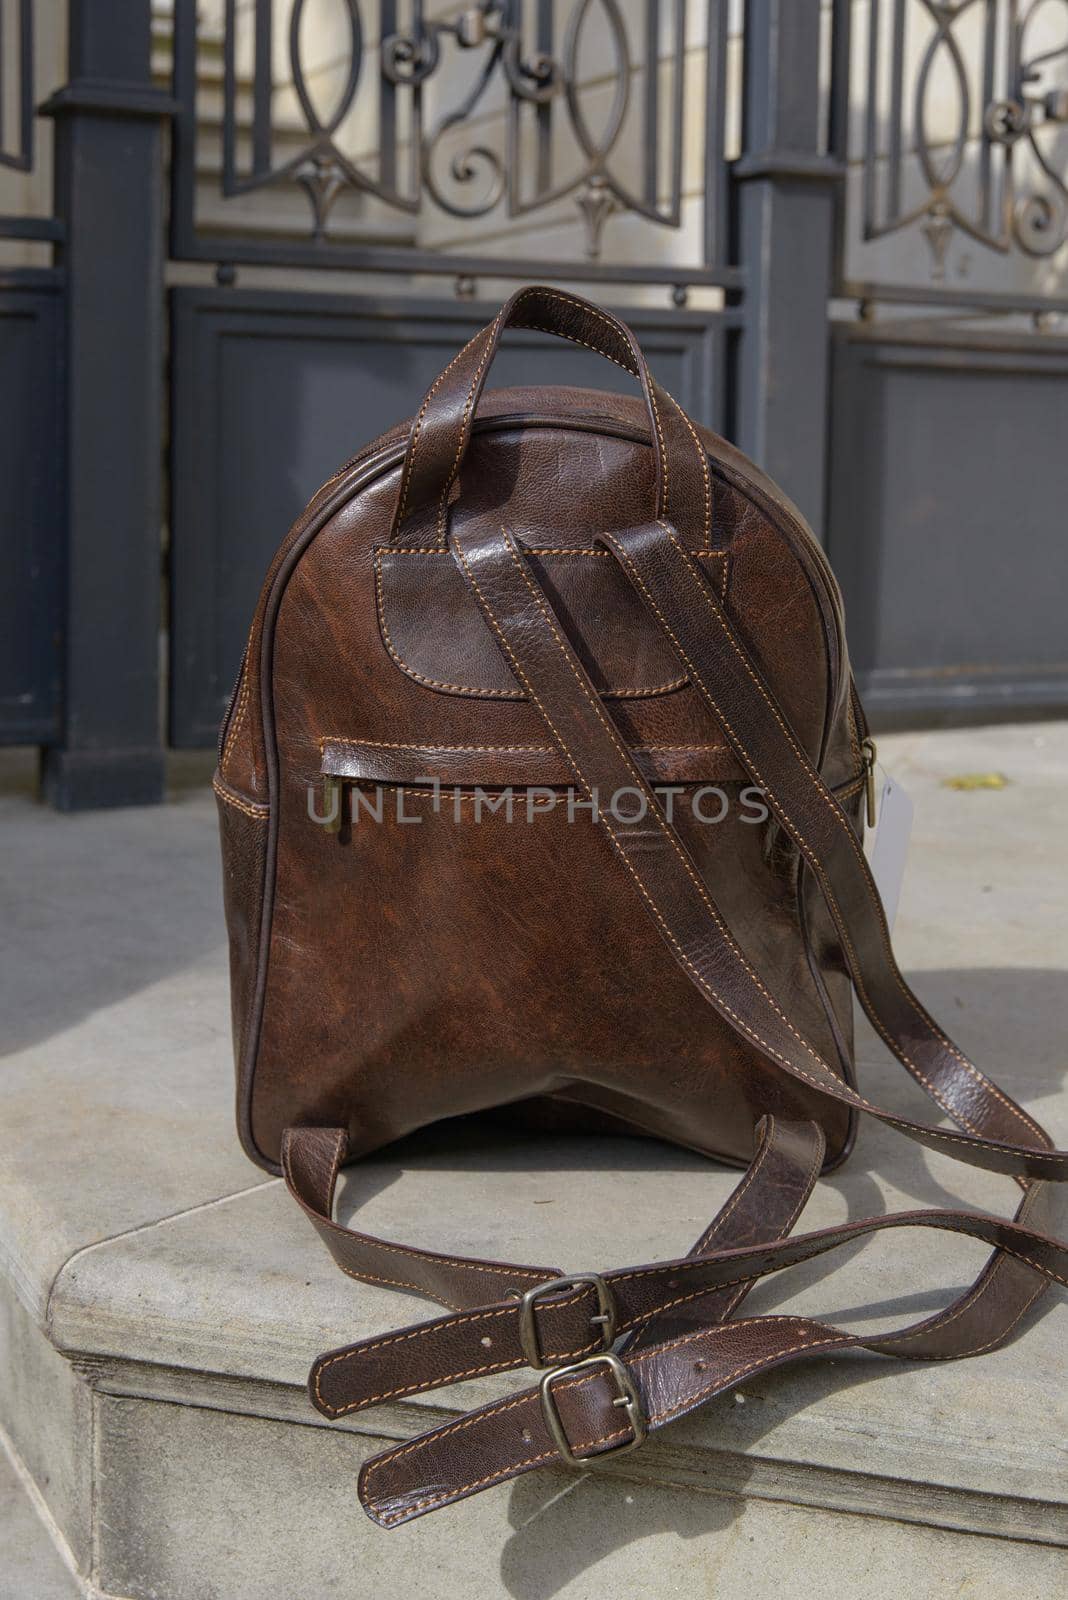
(442, 427)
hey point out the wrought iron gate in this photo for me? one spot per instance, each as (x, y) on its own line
(811, 211)
(472, 112)
(949, 392)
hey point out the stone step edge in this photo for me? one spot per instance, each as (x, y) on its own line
(660, 1463)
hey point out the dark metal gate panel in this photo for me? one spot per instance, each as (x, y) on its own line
(272, 392)
(950, 475)
(32, 461)
(472, 117)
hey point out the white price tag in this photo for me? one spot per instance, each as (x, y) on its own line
(888, 846)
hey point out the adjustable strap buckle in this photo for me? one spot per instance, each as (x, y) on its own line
(528, 1328)
(628, 1400)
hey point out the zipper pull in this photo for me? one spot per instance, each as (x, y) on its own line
(870, 756)
(333, 796)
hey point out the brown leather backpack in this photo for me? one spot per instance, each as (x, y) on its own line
(565, 677)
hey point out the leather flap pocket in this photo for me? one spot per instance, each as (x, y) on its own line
(431, 625)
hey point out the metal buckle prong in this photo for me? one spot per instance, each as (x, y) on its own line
(528, 1328)
(628, 1400)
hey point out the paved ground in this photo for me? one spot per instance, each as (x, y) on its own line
(30, 1565)
(127, 1211)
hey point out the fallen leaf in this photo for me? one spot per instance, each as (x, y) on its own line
(977, 780)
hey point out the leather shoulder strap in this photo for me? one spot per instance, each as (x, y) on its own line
(1000, 1136)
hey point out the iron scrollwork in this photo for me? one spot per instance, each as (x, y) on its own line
(415, 160)
(1017, 195)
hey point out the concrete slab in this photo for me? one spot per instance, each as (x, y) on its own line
(191, 1295)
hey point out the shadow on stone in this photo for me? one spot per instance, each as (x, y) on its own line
(98, 906)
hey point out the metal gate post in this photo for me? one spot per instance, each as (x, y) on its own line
(785, 194)
(109, 196)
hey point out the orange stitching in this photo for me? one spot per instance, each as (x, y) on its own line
(337, 1230)
(838, 1089)
(826, 1342)
(336, 1227)
(453, 1427)
(257, 810)
(663, 510)
(392, 1283)
(845, 791)
(978, 1350)
(433, 1258)
(843, 823)
(449, 749)
(796, 1210)
(558, 550)
(702, 458)
(573, 338)
(432, 683)
(242, 702)
(410, 1388)
(427, 1327)
(863, 1233)
(544, 550)
(709, 1239)
(461, 441)
(478, 1483)
(616, 327)
(430, 1257)
(810, 1180)
(468, 689)
(394, 1455)
(755, 771)
(748, 1180)
(941, 1320)
(494, 749)
(454, 796)
(511, 694)
(975, 1294)
(391, 1456)
(459, 795)
(740, 1191)
(409, 463)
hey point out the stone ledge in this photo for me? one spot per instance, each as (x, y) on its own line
(190, 1501)
(238, 1296)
